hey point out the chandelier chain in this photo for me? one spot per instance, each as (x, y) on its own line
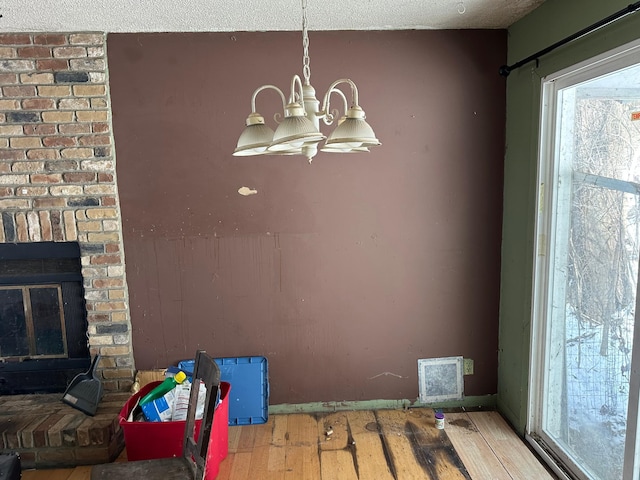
(306, 70)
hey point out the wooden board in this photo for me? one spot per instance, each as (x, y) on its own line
(252, 452)
(417, 449)
(226, 466)
(333, 433)
(239, 468)
(337, 465)
(277, 451)
(267, 460)
(81, 473)
(403, 460)
(302, 461)
(475, 452)
(234, 438)
(280, 429)
(432, 447)
(370, 456)
(514, 455)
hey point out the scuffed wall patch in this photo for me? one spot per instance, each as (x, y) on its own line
(246, 191)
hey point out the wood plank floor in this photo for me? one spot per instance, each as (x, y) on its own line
(367, 445)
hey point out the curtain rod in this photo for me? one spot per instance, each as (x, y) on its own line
(505, 70)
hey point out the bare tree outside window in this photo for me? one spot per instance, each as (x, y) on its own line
(602, 273)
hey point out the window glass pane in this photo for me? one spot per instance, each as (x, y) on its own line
(13, 328)
(47, 324)
(594, 270)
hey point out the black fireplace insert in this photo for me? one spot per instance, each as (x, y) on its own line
(43, 319)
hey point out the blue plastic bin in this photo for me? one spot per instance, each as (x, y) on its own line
(249, 396)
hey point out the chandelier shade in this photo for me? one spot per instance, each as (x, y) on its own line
(295, 131)
(255, 138)
(352, 132)
(299, 131)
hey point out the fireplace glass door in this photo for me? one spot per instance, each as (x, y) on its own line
(32, 322)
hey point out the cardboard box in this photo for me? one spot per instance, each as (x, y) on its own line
(147, 440)
(143, 377)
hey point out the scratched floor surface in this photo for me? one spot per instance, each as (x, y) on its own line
(368, 445)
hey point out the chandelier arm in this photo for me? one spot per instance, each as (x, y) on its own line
(332, 87)
(327, 116)
(265, 87)
(296, 81)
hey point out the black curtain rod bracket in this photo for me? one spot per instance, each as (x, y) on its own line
(505, 70)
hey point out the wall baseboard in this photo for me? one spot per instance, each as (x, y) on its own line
(484, 402)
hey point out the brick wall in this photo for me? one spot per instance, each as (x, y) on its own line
(58, 177)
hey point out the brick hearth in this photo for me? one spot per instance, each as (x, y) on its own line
(48, 433)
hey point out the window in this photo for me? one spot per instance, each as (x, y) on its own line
(583, 400)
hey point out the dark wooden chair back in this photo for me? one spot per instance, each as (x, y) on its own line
(192, 464)
(206, 370)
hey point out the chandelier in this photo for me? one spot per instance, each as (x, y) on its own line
(299, 131)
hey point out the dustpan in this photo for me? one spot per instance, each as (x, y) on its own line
(85, 390)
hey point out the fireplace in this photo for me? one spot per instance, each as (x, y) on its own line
(43, 320)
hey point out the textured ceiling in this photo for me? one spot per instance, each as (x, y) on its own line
(256, 15)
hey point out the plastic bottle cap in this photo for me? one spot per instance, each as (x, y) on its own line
(179, 377)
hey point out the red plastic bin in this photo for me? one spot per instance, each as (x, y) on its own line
(147, 440)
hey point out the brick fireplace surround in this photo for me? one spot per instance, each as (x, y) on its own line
(58, 183)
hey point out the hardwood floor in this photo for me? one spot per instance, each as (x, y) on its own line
(367, 445)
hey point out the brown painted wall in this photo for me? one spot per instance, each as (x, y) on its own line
(343, 272)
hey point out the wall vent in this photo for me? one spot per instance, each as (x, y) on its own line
(441, 379)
